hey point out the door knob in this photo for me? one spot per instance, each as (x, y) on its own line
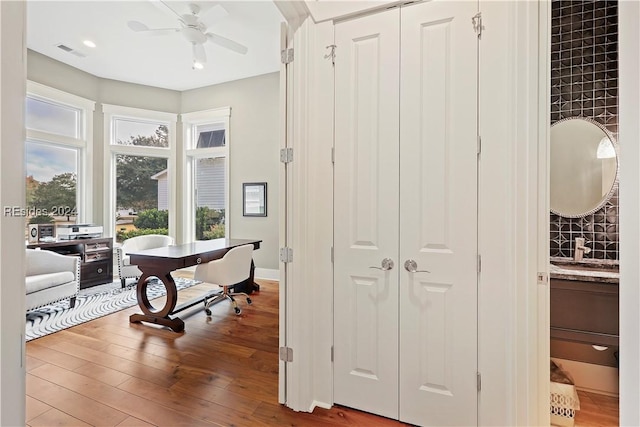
(387, 264)
(412, 267)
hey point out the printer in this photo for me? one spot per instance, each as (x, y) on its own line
(78, 231)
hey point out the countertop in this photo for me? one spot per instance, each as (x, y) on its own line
(588, 270)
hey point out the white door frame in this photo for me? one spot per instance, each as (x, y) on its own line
(629, 135)
(509, 338)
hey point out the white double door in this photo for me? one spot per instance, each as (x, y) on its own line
(405, 343)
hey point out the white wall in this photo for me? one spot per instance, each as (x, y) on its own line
(12, 193)
(254, 135)
(253, 152)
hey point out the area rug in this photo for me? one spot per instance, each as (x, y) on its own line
(90, 304)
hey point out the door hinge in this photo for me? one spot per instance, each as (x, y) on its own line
(479, 147)
(542, 278)
(479, 381)
(286, 254)
(286, 55)
(333, 155)
(286, 354)
(332, 353)
(331, 254)
(476, 20)
(479, 263)
(286, 155)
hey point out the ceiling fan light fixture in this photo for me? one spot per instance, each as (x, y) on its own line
(197, 65)
(89, 43)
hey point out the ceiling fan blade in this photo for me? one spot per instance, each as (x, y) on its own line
(139, 27)
(199, 54)
(229, 44)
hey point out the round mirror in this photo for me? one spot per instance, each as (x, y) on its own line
(584, 166)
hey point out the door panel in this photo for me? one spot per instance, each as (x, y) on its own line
(438, 205)
(405, 188)
(366, 214)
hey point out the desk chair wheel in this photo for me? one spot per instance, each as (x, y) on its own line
(206, 310)
(249, 300)
(237, 310)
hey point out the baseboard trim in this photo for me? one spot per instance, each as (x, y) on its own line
(594, 378)
(267, 274)
(602, 392)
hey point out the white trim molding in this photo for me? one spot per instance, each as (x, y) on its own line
(509, 340)
(12, 191)
(84, 141)
(59, 96)
(629, 135)
(267, 274)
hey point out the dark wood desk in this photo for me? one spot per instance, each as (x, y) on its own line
(160, 262)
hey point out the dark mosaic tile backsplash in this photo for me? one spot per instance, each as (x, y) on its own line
(584, 82)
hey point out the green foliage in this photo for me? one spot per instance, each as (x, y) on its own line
(206, 218)
(122, 235)
(31, 187)
(217, 231)
(58, 193)
(42, 219)
(152, 218)
(135, 188)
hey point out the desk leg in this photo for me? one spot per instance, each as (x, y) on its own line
(253, 285)
(176, 324)
(150, 314)
(248, 286)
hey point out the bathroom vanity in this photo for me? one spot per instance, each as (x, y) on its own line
(584, 308)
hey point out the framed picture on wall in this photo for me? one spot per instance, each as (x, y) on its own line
(254, 199)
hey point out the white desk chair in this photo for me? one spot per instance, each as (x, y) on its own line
(126, 270)
(232, 268)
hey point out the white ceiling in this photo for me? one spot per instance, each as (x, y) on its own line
(156, 60)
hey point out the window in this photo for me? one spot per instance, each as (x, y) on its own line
(50, 117)
(57, 151)
(210, 195)
(206, 136)
(140, 191)
(210, 136)
(52, 173)
(139, 132)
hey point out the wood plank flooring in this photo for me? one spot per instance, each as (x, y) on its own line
(597, 410)
(222, 371)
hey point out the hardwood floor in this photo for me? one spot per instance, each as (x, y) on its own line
(222, 371)
(597, 410)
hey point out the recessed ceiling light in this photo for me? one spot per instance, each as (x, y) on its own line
(197, 65)
(89, 43)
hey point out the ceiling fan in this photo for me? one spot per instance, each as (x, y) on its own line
(194, 31)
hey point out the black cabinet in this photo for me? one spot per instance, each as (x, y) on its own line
(96, 255)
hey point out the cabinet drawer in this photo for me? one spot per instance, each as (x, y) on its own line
(97, 256)
(97, 246)
(587, 307)
(96, 271)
